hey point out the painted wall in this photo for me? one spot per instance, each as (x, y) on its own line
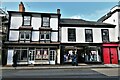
(36, 23)
(54, 23)
(80, 34)
(54, 36)
(114, 20)
(13, 35)
(35, 35)
(16, 22)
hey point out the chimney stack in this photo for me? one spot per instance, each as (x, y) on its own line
(58, 11)
(21, 7)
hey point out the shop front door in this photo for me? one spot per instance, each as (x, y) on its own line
(31, 59)
(106, 55)
(110, 56)
(52, 56)
(114, 57)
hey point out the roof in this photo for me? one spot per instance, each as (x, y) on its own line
(30, 13)
(109, 14)
(81, 22)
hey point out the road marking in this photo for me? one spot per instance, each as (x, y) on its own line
(108, 71)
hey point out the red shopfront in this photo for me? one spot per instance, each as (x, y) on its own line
(110, 53)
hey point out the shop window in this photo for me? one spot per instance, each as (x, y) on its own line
(45, 36)
(68, 55)
(42, 54)
(105, 35)
(88, 35)
(26, 20)
(71, 34)
(92, 55)
(22, 55)
(25, 35)
(45, 21)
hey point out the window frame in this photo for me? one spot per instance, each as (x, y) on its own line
(90, 35)
(45, 33)
(43, 21)
(24, 33)
(73, 39)
(30, 18)
(102, 30)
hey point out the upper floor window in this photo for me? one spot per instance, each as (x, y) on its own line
(45, 35)
(26, 20)
(105, 35)
(46, 21)
(71, 34)
(88, 35)
(25, 35)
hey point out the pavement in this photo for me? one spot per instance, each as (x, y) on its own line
(64, 66)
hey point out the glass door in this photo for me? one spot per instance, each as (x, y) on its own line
(52, 56)
(31, 59)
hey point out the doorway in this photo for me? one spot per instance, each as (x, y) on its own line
(110, 56)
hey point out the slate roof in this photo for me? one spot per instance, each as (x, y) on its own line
(109, 14)
(81, 22)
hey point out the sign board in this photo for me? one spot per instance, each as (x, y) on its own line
(10, 57)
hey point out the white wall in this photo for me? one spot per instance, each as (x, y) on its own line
(54, 36)
(16, 22)
(54, 23)
(35, 35)
(13, 35)
(36, 23)
(111, 21)
(80, 34)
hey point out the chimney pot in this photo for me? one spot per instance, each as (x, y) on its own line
(58, 11)
(21, 7)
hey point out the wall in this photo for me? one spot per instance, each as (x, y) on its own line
(114, 20)
(16, 22)
(80, 34)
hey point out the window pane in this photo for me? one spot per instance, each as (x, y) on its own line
(48, 36)
(27, 35)
(71, 35)
(22, 35)
(88, 35)
(42, 36)
(26, 20)
(105, 35)
(45, 21)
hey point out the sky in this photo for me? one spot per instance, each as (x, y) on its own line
(77, 10)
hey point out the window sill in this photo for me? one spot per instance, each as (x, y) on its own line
(25, 28)
(45, 29)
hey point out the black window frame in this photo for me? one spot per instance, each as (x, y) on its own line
(102, 30)
(73, 36)
(43, 21)
(24, 20)
(87, 36)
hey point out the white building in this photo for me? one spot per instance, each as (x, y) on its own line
(113, 17)
(89, 39)
(33, 36)
(45, 38)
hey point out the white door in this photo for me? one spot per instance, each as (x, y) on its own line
(52, 56)
(31, 55)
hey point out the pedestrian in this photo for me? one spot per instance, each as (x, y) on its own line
(15, 60)
(74, 59)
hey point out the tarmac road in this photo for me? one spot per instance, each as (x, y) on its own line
(63, 74)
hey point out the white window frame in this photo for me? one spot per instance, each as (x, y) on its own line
(24, 33)
(45, 33)
(27, 20)
(45, 21)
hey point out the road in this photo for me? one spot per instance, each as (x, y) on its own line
(62, 74)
